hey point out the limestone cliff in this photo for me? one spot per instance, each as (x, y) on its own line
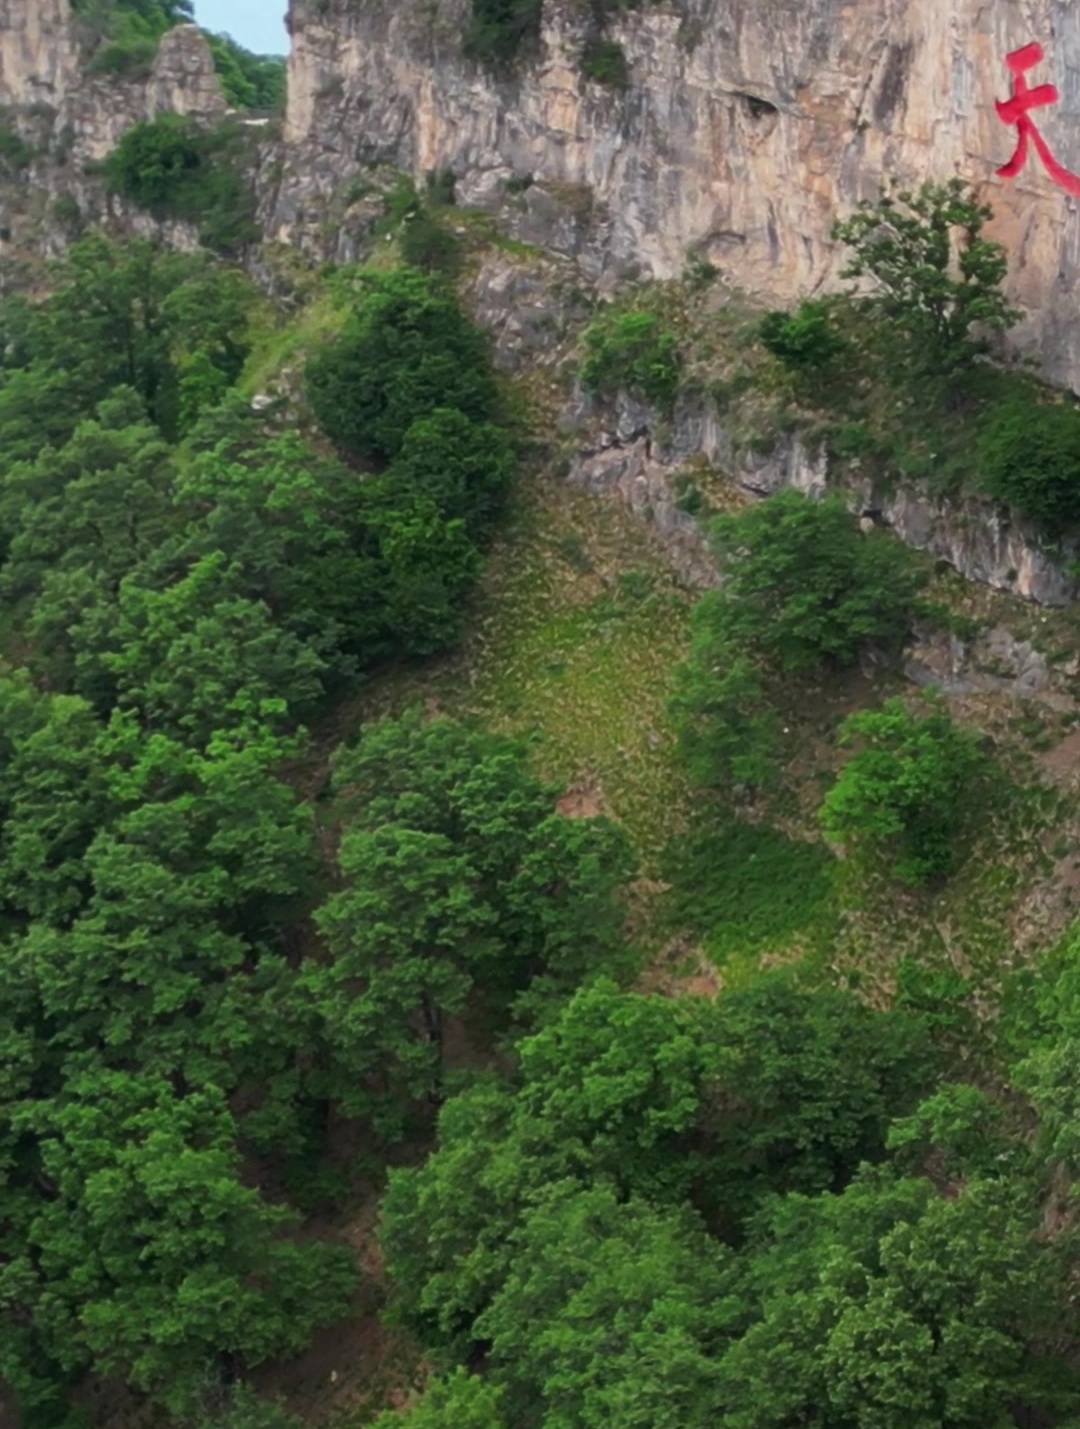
(746, 128)
(70, 116)
(43, 68)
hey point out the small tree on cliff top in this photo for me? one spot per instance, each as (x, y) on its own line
(938, 279)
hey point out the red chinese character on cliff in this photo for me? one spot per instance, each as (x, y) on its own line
(1017, 110)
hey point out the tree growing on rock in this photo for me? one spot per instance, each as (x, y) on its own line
(937, 278)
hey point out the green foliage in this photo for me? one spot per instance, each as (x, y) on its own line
(237, 1407)
(604, 60)
(633, 352)
(429, 245)
(439, 188)
(773, 1088)
(500, 32)
(806, 340)
(457, 875)
(803, 585)
(813, 1078)
(610, 1316)
(250, 81)
(126, 32)
(938, 278)
(130, 315)
(144, 1258)
(1029, 457)
(176, 169)
(407, 349)
(957, 1132)
(15, 153)
(907, 797)
(891, 1306)
(728, 734)
(1047, 1065)
(461, 1401)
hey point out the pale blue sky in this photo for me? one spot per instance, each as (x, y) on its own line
(258, 25)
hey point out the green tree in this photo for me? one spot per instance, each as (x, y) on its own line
(1029, 457)
(807, 1082)
(118, 315)
(499, 32)
(891, 1307)
(905, 799)
(250, 81)
(803, 586)
(196, 658)
(615, 1090)
(938, 280)
(427, 564)
(177, 169)
(407, 349)
(293, 528)
(461, 1401)
(611, 1316)
(463, 467)
(458, 874)
(53, 800)
(100, 503)
(148, 1256)
(445, 1225)
(619, 1086)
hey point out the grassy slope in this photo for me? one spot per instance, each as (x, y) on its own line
(573, 637)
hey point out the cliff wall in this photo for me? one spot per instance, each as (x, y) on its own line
(70, 116)
(747, 127)
(44, 73)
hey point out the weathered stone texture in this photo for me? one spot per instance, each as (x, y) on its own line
(748, 127)
(43, 72)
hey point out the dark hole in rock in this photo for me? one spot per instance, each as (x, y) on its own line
(758, 108)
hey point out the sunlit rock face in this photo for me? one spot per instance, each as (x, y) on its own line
(747, 128)
(46, 85)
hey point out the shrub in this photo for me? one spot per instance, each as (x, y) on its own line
(440, 188)
(249, 81)
(1029, 457)
(427, 244)
(905, 799)
(500, 31)
(633, 352)
(604, 61)
(15, 153)
(177, 170)
(805, 586)
(127, 32)
(804, 340)
(728, 733)
(154, 161)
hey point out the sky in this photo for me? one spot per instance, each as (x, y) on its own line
(258, 25)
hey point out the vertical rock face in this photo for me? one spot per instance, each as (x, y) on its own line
(748, 126)
(44, 75)
(184, 80)
(38, 60)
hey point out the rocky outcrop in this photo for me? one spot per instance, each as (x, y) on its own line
(71, 116)
(746, 128)
(44, 73)
(634, 457)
